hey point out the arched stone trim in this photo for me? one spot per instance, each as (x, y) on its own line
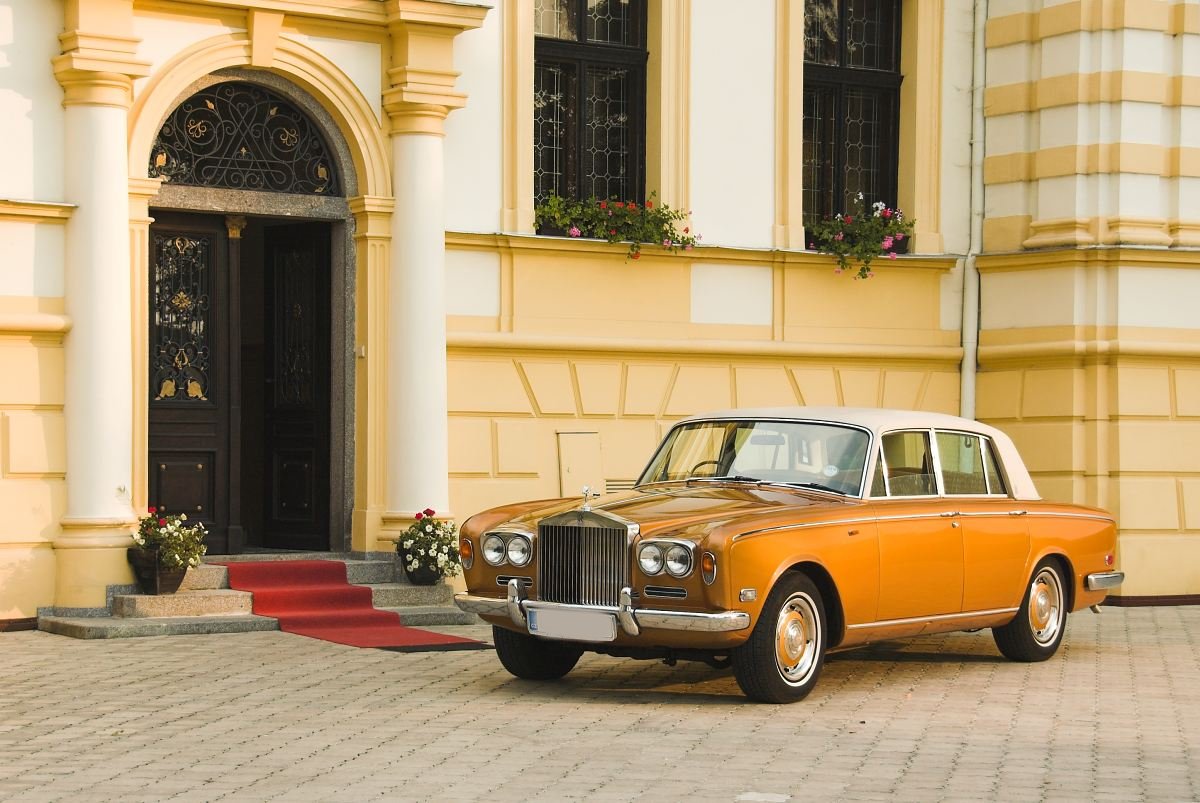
(329, 86)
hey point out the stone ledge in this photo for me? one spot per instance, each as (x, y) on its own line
(109, 627)
(395, 595)
(427, 615)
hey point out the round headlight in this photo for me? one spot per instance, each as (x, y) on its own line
(679, 560)
(519, 550)
(493, 549)
(650, 558)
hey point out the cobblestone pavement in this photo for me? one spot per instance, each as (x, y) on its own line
(272, 716)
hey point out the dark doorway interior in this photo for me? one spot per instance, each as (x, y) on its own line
(240, 379)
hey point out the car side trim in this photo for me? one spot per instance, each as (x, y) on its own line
(939, 618)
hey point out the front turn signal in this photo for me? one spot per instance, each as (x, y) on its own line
(466, 552)
(708, 568)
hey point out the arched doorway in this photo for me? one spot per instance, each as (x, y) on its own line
(250, 308)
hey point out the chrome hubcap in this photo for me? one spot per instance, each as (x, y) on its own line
(797, 639)
(1046, 608)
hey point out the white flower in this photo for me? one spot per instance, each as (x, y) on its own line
(408, 544)
(428, 528)
(183, 517)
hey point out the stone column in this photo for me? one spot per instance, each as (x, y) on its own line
(95, 72)
(420, 95)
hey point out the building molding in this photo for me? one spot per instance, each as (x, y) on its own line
(19, 211)
(1116, 86)
(1181, 17)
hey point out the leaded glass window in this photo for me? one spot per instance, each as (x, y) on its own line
(589, 98)
(851, 103)
(242, 136)
(179, 313)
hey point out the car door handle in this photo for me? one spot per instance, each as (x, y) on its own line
(949, 515)
(1017, 512)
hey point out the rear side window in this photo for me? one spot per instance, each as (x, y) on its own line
(908, 464)
(995, 479)
(962, 463)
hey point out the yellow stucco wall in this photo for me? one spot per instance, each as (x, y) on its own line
(589, 358)
(32, 451)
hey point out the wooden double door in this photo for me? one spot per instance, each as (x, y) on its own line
(239, 379)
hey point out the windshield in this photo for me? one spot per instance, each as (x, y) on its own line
(823, 456)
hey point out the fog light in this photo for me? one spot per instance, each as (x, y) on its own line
(466, 552)
(708, 568)
(519, 550)
(679, 560)
(493, 549)
(650, 558)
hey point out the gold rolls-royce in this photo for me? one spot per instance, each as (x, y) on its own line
(763, 539)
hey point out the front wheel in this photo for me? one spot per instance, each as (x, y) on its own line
(532, 658)
(1037, 630)
(782, 659)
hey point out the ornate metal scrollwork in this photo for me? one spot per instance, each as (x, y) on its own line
(239, 135)
(179, 359)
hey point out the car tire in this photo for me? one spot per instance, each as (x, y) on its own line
(532, 658)
(1037, 630)
(783, 657)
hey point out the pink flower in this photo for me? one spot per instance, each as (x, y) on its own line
(887, 243)
(151, 510)
(637, 254)
(667, 243)
(419, 516)
(574, 231)
(892, 255)
(886, 213)
(849, 219)
(870, 273)
(839, 236)
(899, 236)
(687, 247)
(162, 522)
(604, 205)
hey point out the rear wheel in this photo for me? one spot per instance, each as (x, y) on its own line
(1037, 630)
(533, 658)
(782, 659)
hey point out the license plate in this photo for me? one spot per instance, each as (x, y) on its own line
(558, 623)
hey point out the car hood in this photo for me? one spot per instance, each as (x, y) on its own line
(697, 509)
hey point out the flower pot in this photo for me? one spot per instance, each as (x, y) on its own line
(420, 576)
(151, 578)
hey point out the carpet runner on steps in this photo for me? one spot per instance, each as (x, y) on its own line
(312, 598)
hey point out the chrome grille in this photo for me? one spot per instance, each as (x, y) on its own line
(582, 565)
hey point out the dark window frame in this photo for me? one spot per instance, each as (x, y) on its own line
(841, 80)
(582, 55)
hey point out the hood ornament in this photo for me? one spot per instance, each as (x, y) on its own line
(588, 496)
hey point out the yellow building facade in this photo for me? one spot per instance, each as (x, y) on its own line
(1051, 286)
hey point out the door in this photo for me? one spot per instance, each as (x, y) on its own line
(297, 392)
(920, 536)
(189, 404)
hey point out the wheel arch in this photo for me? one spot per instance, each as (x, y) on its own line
(1068, 571)
(831, 599)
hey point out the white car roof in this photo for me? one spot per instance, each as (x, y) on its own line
(880, 421)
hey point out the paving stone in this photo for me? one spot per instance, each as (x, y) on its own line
(273, 716)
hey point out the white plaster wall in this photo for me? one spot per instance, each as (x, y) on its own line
(163, 39)
(1009, 133)
(1010, 64)
(1165, 297)
(361, 62)
(1019, 299)
(31, 113)
(472, 283)
(738, 294)
(732, 122)
(33, 259)
(957, 55)
(474, 157)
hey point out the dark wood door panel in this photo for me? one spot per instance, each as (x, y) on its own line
(183, 482)
(189, 448)
(298, 386)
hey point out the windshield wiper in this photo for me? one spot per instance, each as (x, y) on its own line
(815, 485)
(730, 478)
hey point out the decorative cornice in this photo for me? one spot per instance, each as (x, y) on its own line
(35, 211)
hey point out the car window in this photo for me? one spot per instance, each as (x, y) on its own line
(962, 463)
(909, 464)
(995, 479)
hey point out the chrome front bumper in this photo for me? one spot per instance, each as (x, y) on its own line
(1100, 580)
(630, 620)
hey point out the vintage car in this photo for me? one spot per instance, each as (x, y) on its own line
(763, 539)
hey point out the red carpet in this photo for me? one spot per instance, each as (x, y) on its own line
(312, 598)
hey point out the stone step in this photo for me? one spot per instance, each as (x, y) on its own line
(429, 615)
(205, 577)
(397, 595)
(102, 627)
(377, 568)
(208, 602)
